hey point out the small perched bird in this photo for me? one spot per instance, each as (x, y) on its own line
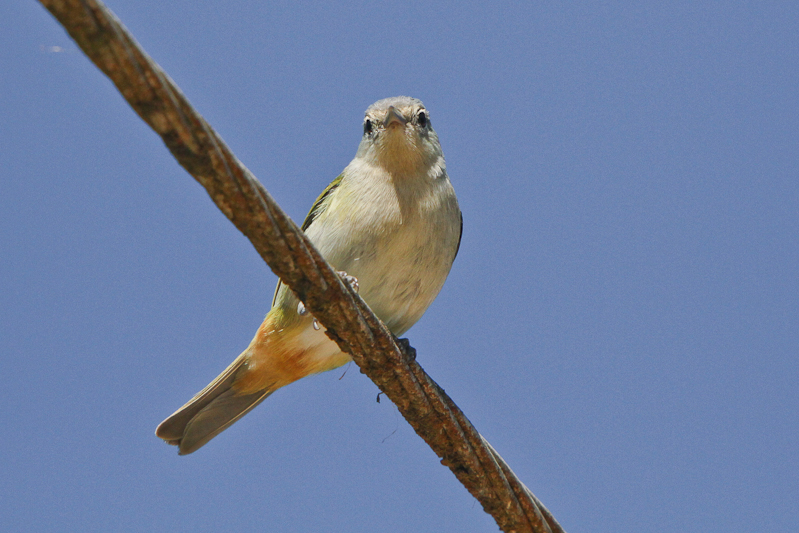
(391, 222)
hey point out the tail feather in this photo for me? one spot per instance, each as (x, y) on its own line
(216, 417)
(211, 411)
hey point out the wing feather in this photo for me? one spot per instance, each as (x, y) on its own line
(317, 209)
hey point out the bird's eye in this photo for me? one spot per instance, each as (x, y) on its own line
(422, 119)
(367, 126)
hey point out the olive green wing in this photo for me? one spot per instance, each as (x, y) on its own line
(318, 208)
(321, 203)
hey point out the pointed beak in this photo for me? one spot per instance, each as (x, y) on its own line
(394, 117)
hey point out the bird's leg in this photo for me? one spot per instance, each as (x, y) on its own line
(406, 348)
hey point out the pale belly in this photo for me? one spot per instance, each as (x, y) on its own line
(398, 287)
(400, 266)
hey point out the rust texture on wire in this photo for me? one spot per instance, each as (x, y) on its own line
(349, 321)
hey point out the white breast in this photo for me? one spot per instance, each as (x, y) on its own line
(398, 238)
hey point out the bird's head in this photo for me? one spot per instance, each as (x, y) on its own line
(398, 136)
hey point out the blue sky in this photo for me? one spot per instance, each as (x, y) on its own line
(622, 321)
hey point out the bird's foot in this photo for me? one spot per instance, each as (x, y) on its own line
(352, 281)
(301, 310)
(406, 348)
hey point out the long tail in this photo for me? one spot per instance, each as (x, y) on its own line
(211, 411)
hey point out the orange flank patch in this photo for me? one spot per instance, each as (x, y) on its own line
(284, 351)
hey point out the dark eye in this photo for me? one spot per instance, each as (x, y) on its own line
(422, 119)
(367, 126)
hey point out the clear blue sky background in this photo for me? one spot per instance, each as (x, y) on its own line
(622, 322)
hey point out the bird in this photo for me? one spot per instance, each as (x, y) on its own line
(389, 223)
